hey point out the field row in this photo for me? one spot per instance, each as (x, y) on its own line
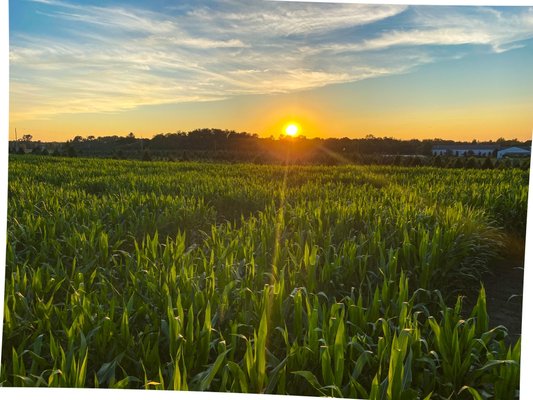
(295, 280)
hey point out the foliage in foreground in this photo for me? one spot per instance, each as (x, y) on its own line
(337, 281)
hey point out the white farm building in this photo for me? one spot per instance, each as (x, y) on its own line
(463, 150)
(514, 152)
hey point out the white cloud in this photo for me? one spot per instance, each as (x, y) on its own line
(291, 19)
(112, 58)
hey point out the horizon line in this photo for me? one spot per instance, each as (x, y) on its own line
(277, 137)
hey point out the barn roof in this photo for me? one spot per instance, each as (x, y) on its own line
(516, 149)
(466, 147)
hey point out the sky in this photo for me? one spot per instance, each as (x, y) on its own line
(337, 70)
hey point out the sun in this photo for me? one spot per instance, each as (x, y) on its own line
(291, 130)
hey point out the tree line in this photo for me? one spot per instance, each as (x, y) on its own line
(231, 146)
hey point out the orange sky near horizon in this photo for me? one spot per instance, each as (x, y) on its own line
(482, 123)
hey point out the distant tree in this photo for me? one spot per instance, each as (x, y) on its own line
(71, 151)
(471, 163)
(27, 138)
(487, 164)
(416, 161)
(147, 156)
(406, 161)
(437, 161)
(77, 139)
(90, 138)
(458, 163)
(131, 135)
(36, 151)
(56, 152)
(425, 148)
(397, 160)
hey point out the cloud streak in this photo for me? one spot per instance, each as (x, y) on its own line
(112, 58)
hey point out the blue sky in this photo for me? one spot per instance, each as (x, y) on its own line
(200, 63)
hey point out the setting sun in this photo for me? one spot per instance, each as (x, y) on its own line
(291, 130)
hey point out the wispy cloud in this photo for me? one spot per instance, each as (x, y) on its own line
(110, 58)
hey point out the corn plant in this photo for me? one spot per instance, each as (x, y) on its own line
(332, 281)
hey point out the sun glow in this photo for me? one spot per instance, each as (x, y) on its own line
(291, 130)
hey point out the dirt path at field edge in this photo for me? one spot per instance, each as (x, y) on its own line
(504, 288)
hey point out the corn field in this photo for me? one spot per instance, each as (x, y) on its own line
(325, 281)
